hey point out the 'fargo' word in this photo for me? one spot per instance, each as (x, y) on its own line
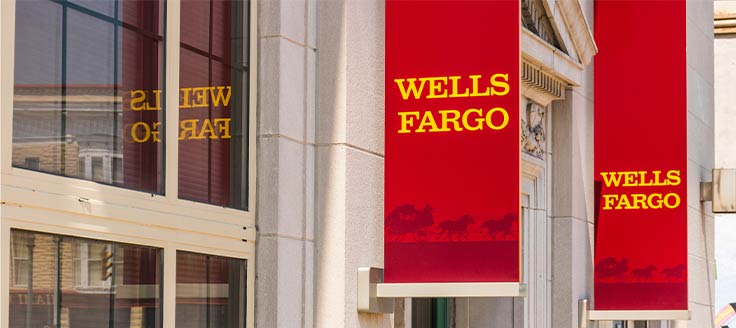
(473, 119)
(194, 129)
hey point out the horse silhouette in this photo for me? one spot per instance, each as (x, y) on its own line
(610, 267)
(451, 228)
(644, 273)
(673, 272)
(499, 228)
(406, 219)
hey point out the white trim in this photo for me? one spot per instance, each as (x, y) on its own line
(608, 315)
(250, 233)
(171, 114)
(7, 38)
(4, 274)
(252, 117)
(49, 189)
(169, 281)
(490, 289)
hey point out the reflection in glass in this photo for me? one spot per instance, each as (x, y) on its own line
(210, 291)
(78, 64)
(60, 281)
(213, 103)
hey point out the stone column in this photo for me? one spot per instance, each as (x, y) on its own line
(286, 151)
(350, 150)
(572, 203)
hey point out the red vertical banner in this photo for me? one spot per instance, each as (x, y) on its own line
(452, 165)
(640, 156)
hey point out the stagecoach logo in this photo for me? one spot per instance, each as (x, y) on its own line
(407, 223)
(611, 269)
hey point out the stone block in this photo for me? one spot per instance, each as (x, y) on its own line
(283, 18)
(291, 89)
(311, 96)
(267, 282)
(364, 208)
(700, 99)
(700, 142)
(291, 197)
(268, 178)
(269, 54)
(309, 285)
(700, 281)
(309, 192)
(289, 307)
(700, 46)
(281, 197)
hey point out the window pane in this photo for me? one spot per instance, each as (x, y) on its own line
(210, 291)
(213, 103)
(83, 80)
(65, 280)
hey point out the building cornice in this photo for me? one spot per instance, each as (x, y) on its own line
(574, 20)
(724, 17)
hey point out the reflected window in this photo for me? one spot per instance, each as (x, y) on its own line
(74, 282)
(210, 291)
(89, 79)
(21, 250)
(93, 264)
(213, 111)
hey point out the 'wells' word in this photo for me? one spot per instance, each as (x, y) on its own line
(191, 129)
(640, 179)
(472, 119)
(188, 98)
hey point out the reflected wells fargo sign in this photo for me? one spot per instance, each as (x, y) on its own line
(200, 99)
(452, 190)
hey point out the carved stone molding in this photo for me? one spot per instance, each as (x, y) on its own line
(724, 17)
(541, 86)
(533, 130)
(582, 36)
(535, 19)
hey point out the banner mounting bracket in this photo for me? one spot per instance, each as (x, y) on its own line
(375, 296)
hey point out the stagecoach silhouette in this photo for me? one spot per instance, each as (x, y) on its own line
(406, 220)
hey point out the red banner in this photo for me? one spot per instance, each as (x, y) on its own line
(452, 190)
(640, 156)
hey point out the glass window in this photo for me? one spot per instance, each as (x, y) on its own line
(213, 103)
(61, 281)
(97, 171)
(32, 163)
(89, 79)
(20, 252)
(210, 291)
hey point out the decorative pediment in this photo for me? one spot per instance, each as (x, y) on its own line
(534, 18)
(561, 24)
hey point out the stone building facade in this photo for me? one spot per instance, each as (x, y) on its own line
(316, 174)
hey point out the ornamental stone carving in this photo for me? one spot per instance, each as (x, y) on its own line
(533, 134)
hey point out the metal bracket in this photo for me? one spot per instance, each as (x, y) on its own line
(368, 301)
(721, 191)
(583, 309)
(706, 191)
(373, 294)
(586, 315)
